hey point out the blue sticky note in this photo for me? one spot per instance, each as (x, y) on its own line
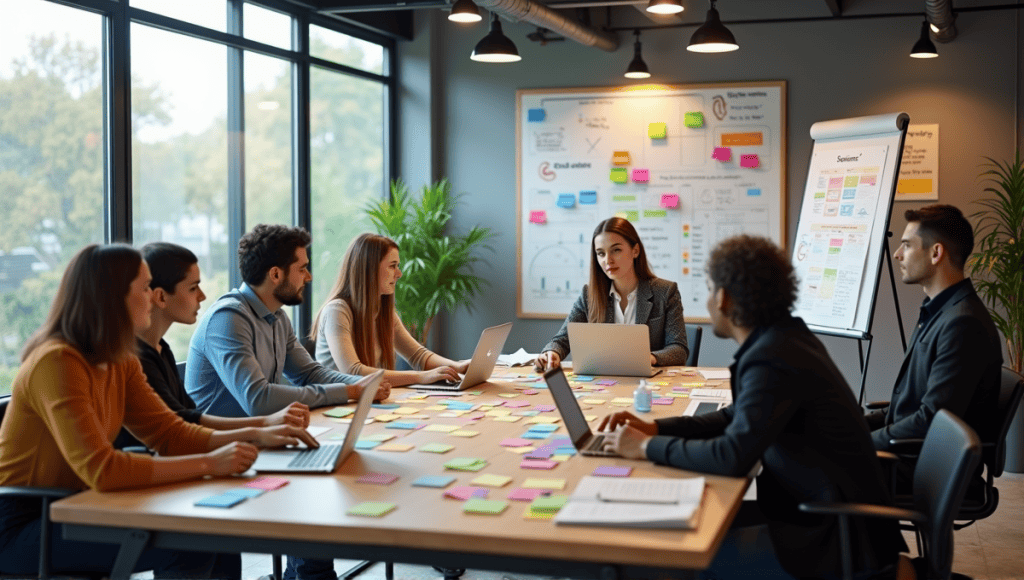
(365, 445)
(458, 405)
(566, 200)
(386, 405)
(588, 197)
(754, 192)
(535, 435)
(402, 425)
(544, 428)
(434, 481)
(528, 413)
(582, 378)
(245, 492)
(224, 500)
(565, 451)
(536, 115)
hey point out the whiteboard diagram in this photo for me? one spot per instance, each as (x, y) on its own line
(688, 165)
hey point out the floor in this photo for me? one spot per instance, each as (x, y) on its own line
(990, 549)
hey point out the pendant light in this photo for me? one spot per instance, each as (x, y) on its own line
(924, 48)
(712, 36)
(495, 47)
(637, 68)
(665, 6)
(465, 11)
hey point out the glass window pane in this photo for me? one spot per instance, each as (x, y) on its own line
(268, 141)
(347, 155)
(209, 13)
(267, 26)
(51, 160)
(179, 154)
(344, 49)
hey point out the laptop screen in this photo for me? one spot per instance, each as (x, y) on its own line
(570, 410)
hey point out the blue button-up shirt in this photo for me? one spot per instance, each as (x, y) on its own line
(240, 355)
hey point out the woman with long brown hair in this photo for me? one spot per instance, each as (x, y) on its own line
(624, 290)
(357, 331)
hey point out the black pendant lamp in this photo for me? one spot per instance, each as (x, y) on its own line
(924, 48)
(712, 36)
(495, 47)
(637, 68)
(465, 11)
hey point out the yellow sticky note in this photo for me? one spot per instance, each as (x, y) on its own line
(451, 414)
(507, 419)
(498, 413)
(405, 411)
(385, 418)
(536, 483)
(465, 433)
(590, 418)
(379, 437)
(622, 400)
(441, 428)
(520, 450)
(593, 401)
(436, 408)
(399, 447)
(657, 130)
(508, 395)
(558, 458)
(544, 420)
(490, 480)
(417, 397)
(532, 515)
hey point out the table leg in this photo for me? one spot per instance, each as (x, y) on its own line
(128, 556)
(278, 573)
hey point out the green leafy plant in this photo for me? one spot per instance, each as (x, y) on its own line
(998, 265)
(436, 268)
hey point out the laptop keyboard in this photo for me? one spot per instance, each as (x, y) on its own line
(322, 456)
(596, 446)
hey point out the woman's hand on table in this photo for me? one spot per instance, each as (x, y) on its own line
(547, 360)
(616, 420)
(296, 414)
(235, 457)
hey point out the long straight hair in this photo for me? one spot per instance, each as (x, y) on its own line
(358, 284)
(600, 284)
(90, 309)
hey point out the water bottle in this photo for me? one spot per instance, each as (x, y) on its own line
(642, 397)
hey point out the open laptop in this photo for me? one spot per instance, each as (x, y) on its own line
(583, 439)
(492, 340)
(328, 456)
(621, 350)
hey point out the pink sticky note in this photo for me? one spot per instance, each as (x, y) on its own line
(606, 382)
(641, 175)
(516, 404)
(544, 408)
(669, 200)
(722, 154)
(524, 494)
(268, 483)
(516, 442)
(475, 416)
(540, 453)
(538, 217)
(749, 160)
(613, 471)
(530, 392)
(662, 400)
(464, 492)
(538, 464)
(378, 478)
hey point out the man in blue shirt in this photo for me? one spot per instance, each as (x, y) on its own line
(245, 347)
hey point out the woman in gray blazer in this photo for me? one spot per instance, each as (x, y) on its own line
(624, 290)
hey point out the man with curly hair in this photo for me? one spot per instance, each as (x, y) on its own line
(793, 412)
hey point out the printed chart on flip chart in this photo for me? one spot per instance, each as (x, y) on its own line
(687, 165)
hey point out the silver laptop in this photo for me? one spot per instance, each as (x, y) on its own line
(492, 340)
(583, 439)
(621, 350)
(328, 456)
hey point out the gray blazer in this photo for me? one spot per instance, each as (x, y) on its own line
(658, 305)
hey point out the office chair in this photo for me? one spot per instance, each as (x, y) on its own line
(181, 372)
(949, 455)
(693, 336)
(45, 495)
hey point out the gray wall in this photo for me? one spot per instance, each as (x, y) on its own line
(458, 117)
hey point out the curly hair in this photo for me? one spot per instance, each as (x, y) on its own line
(267, 246)
(758, 277)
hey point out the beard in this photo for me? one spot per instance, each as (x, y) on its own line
(288, 295)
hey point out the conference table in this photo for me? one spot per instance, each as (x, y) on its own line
(308, 517)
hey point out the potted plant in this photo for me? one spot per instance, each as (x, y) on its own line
(998, 265)
(436, 268)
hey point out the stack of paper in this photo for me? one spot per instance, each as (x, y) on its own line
(634, 502)
(519, 358)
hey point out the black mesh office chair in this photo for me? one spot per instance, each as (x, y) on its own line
(693, 336)
(949, 455)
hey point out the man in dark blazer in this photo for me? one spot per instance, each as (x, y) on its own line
(793, 411)
(954, 358)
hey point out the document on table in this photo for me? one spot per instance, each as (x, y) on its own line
(602, 501)
(715, 374)
(517, 359)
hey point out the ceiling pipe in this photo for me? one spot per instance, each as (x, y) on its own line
(540, 15)
(940, 15)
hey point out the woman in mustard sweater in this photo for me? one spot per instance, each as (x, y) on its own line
(79, 381)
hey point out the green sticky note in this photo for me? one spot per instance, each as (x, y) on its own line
(484, 506)
(655, 213)
(437, 448)
(632, 215)
(551, 503)
(338, 412)
(619, 175)
(466, 464)
(373, 509)
(694, 119)
(657, 130)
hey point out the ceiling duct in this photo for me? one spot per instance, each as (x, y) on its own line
(544, 17)
(940, 16)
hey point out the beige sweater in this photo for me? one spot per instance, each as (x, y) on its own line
(336, 350)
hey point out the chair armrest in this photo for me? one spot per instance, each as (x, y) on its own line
(906, 447)
(36, 492)
(876, 405)
(862, 509)
(886, 456)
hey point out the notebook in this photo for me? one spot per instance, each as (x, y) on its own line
(634, 502)
(328, 456)
(621, 350)
(583, 439)
(492, 340)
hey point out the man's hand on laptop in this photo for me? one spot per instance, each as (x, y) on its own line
(296, 414)
(439, 374)
(281, 435)
(546, 361)
(383, 390)
(616, 420)
(628, 442)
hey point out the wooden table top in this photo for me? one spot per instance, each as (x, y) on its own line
(313, 507)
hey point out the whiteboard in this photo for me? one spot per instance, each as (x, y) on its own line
(844, 221)
(688, 165)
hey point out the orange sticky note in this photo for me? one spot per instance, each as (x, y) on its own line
(620, 158)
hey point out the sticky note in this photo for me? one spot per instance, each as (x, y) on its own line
(491, 480)
(588, 197)
(516, 404)
(742, 139)
(566, 200)
(631, 215)
(385, 405)
(754, 192)
(224, 500)
(515, 442)
(693, 119)
(522, 494)
(437, 427)
(749, 160)
(366, 445)
(434, 481)
(620, 158)
(396, 447)
(378, 478)
(520, 450)
(535, 115)
(534, 483)
(465, 433)
(466, 464)
(549, 503)
(619, 175)
(406, 411)
(477, 505)
(535, 435)
(613, 471)
(268, 483)
(662, 401)
(538, 217)
(465, 492)
(437, 448)
(544, 452)
(528, 463)
(657, 130)
(641, 175)
(507, 419)
(565, 451)
(373, 509)
(543, 421)
(669, 200)
(544, 408)
(722, 154)
(385, 418)
(245, 492)
(338, 412)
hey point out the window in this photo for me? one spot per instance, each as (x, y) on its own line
(267, 26)
(208, 13)
(268, 140)
(51, 161)
(344, 49)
